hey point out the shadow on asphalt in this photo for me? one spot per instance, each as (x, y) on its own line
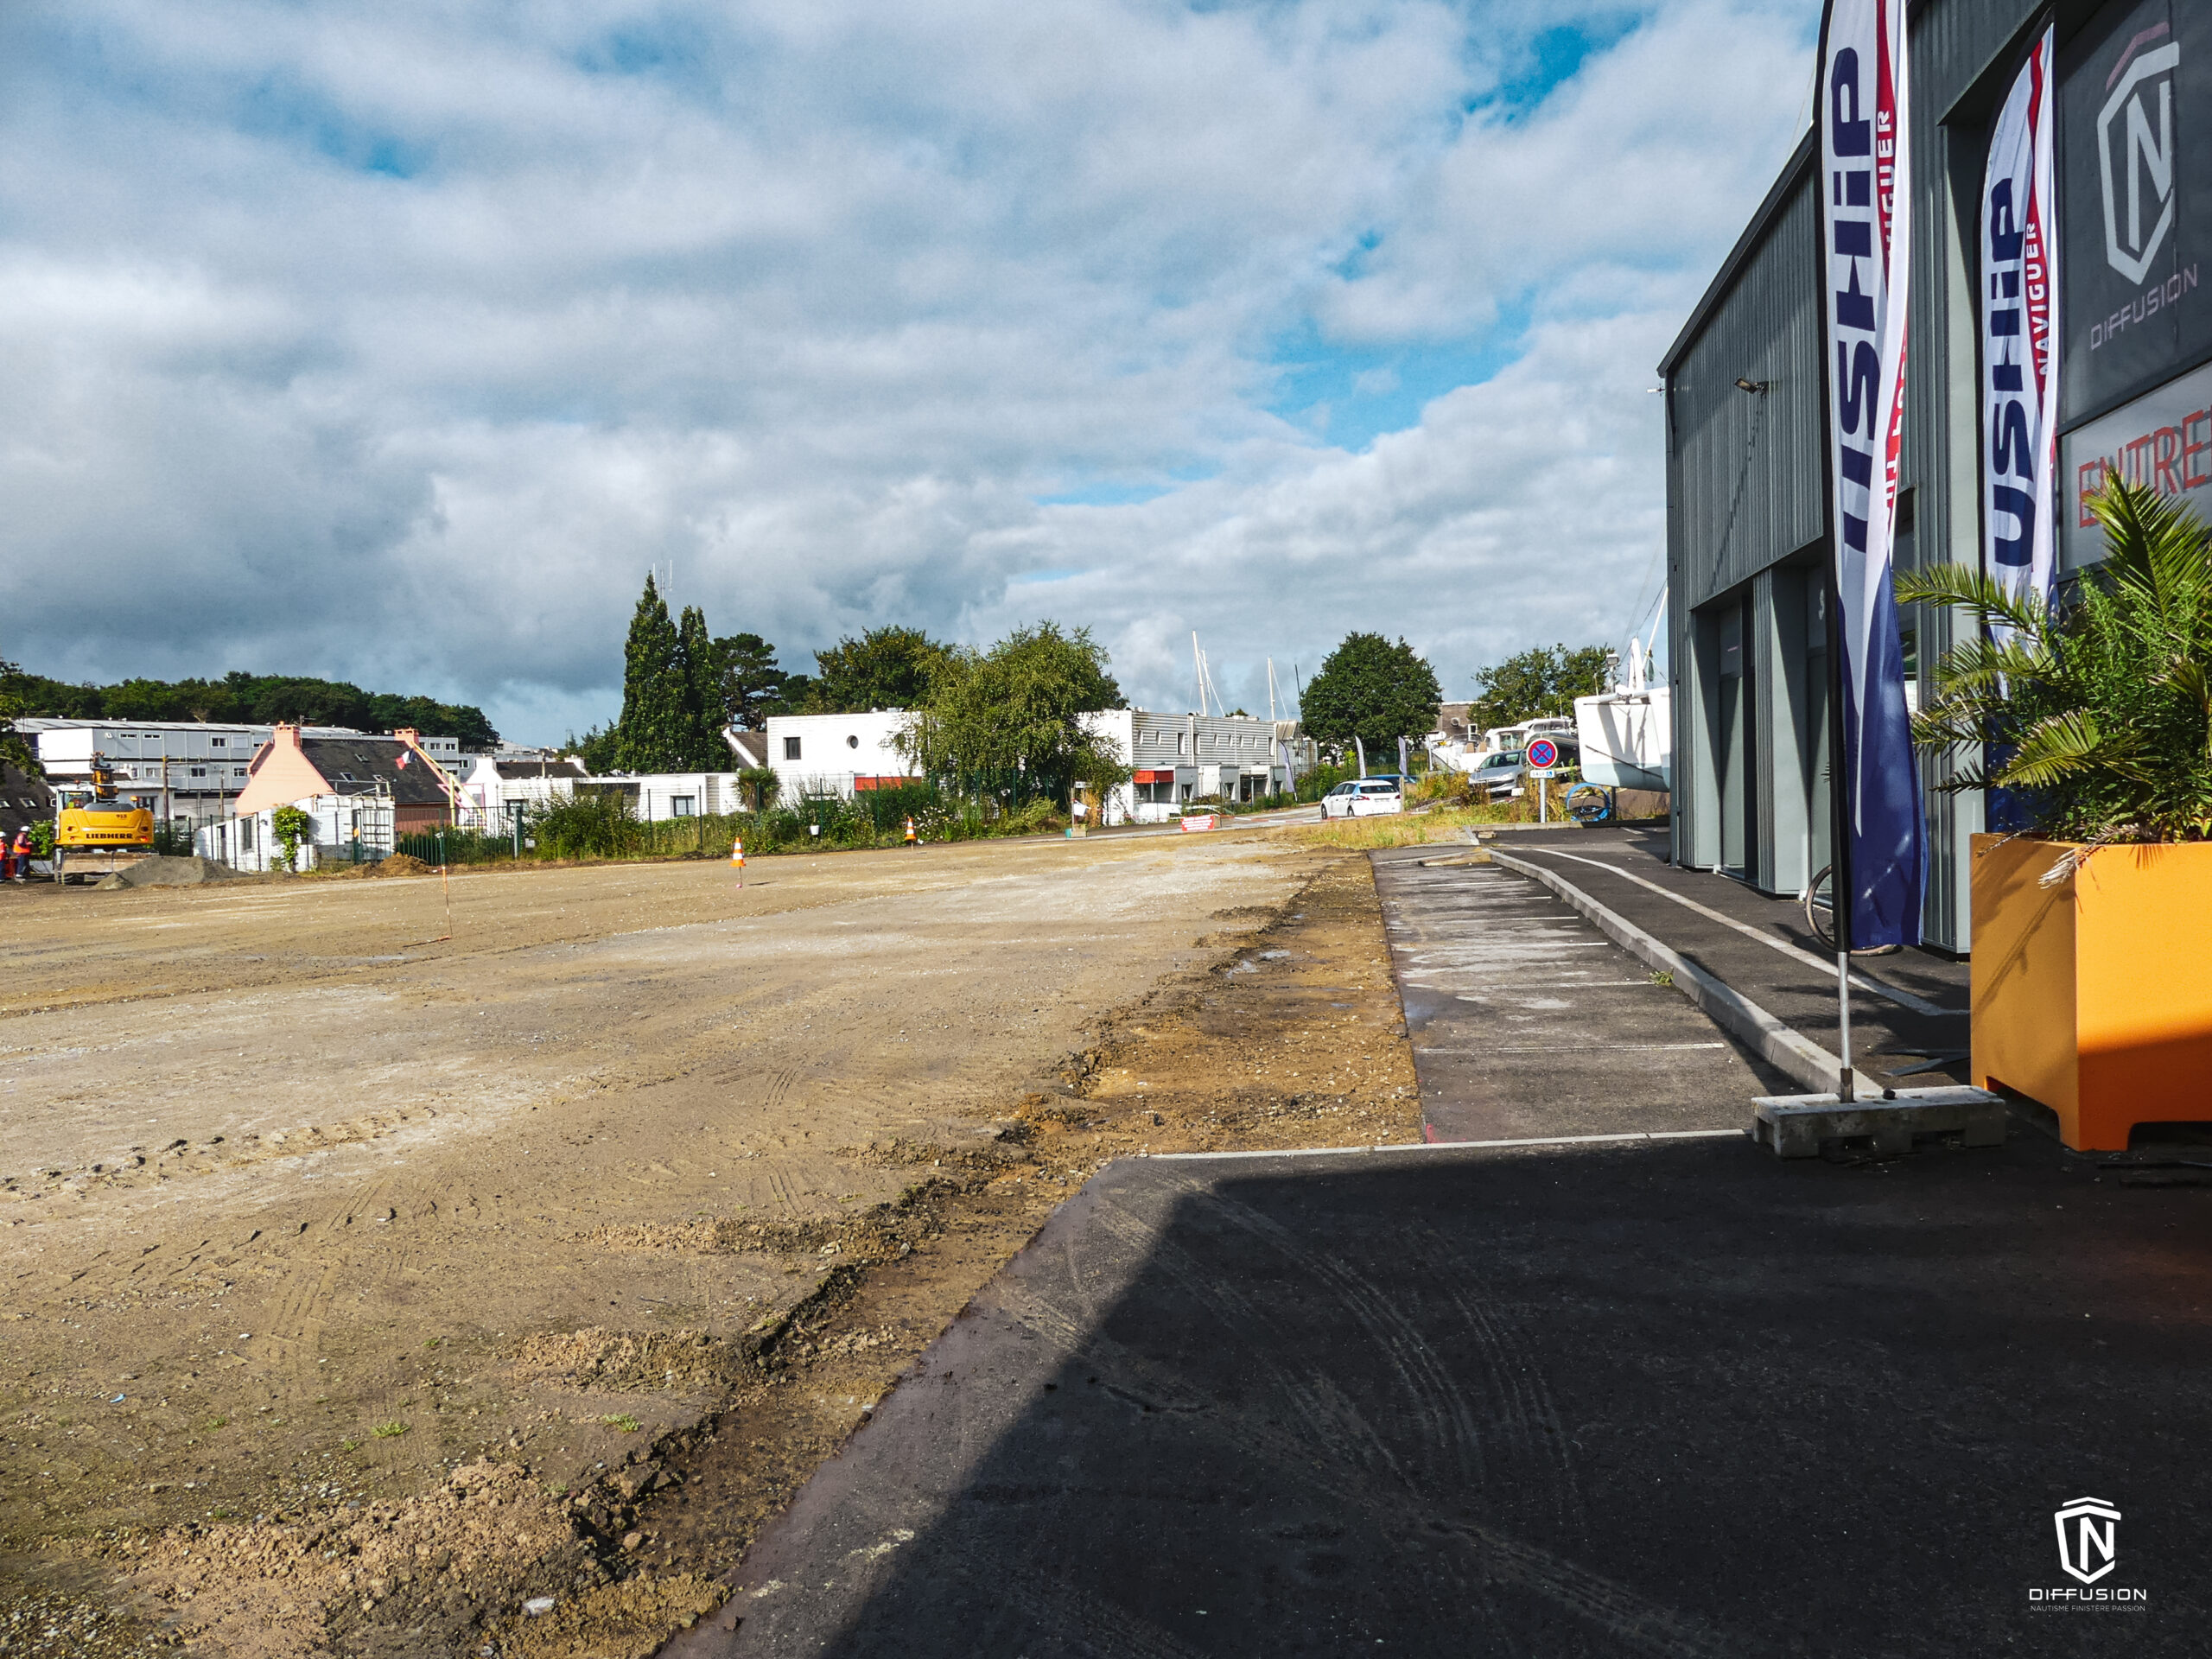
(1677, 1399)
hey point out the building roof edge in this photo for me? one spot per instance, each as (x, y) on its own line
(1777, 196)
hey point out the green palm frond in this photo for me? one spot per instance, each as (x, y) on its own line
(2066, 745)
(2194, 681)
(2100, 707)
(1965, 588)
(1983, 668)
(2158, 550)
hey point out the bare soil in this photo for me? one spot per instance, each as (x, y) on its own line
(363, 1287)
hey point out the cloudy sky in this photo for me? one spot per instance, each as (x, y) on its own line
(395, 341)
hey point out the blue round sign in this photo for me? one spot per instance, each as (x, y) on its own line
(1544, 754)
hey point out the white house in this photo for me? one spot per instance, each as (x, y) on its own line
(497, 782)
(654, 795)
(1178, 759)
(837, 754)
(341, 830)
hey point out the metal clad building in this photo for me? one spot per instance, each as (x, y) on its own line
(1746, 533)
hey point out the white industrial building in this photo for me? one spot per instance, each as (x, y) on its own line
(178, 770)
(1175, 759)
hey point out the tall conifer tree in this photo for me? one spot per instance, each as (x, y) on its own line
(651, 736)
(704, 749)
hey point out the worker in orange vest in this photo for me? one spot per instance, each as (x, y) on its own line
(23, 852)
(737, 859)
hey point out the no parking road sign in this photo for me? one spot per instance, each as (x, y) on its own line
(1544, 754)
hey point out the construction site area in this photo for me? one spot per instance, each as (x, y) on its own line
(400, 1267)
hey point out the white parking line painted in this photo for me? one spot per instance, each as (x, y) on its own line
(1880, 988)
(1647, 1135)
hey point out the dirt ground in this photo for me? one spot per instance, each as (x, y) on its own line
(372, 1292)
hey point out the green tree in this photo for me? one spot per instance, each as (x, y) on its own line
(885, 668)
(257, 698)
(747, 683)
(1016, 710)
(650, 735)
(596, 748)
(1374, 690)
(703, 718)
(1537, 685)
(15, 750)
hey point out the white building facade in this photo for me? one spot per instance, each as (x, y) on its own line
(341, 830)
(819, 755)
(1177, 760)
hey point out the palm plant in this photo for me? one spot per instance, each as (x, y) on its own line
(2097, 708)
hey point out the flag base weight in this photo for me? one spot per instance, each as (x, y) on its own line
(1890, 1124)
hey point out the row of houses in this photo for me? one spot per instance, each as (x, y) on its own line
(222, 783)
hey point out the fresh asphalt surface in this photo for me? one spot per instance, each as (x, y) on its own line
(1668, 1396)
(1525, 1021)
(1892, 1044)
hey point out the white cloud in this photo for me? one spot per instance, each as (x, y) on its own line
(395, 341)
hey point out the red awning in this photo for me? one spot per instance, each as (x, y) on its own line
(1155, 777)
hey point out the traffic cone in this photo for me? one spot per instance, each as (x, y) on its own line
(737, 859)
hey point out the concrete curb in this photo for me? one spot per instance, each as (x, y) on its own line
(1799, 1057)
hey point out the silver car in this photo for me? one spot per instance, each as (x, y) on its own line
(1499, 775)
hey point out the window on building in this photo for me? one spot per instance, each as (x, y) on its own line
(198, 771)
(237, 772)
(1180, 738)
(683, 807)
(790, 748)
(219, 743)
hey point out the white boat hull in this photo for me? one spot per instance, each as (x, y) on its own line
(1627, 738)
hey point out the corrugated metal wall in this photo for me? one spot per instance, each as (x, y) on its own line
(1749, 477)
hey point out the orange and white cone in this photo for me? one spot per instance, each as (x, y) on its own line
(737, 859)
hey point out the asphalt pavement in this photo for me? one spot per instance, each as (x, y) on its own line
(1671, 1398)
(1659, 1394)
(1908, 1009)
(1525, 1021)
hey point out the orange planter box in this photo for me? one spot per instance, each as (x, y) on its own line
(2093, 995)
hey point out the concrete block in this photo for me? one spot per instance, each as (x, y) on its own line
(1798, 1126)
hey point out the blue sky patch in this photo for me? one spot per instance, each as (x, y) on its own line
(1554, 57)
(1350, 396)
(296, 114)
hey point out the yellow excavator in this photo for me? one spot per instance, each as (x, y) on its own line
(96, 819)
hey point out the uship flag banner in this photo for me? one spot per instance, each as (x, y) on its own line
(2019, 339)
(1865, 187)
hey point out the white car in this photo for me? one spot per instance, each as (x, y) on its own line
(1364, 798)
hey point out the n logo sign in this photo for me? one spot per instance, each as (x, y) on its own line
(2135, 151)
(2088, 1538)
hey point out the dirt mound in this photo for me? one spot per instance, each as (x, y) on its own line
(169, 872)
(596, 1358)
(403, 864)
